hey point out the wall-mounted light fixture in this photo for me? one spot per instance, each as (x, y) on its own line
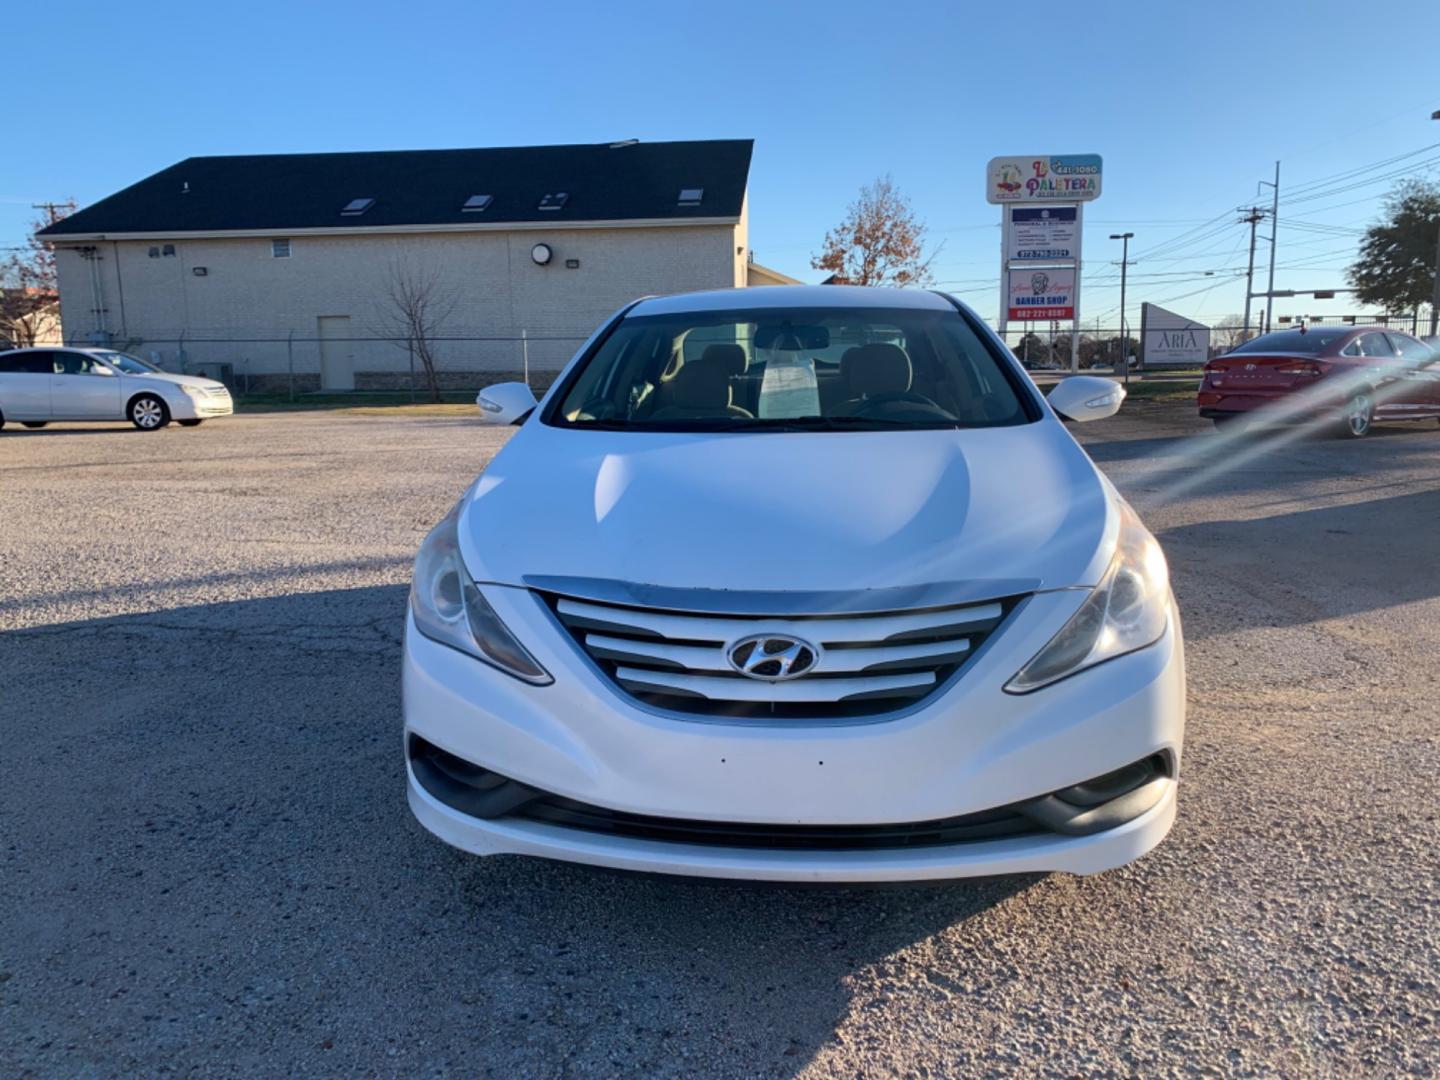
(542, 254)
(199, 271)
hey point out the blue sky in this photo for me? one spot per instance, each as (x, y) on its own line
(1189, 105)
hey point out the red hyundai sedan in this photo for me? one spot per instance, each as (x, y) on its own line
(1354, 376)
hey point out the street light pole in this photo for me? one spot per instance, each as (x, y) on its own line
(1435, 293)
(1274, 232)
(1124, 239)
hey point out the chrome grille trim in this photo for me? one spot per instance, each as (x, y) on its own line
(821, 629)
(741, 689)
(867, 664)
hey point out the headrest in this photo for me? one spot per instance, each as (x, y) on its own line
(703, 383)
(877, 368)
(730, 359)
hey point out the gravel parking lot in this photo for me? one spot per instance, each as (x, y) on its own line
(207, 865)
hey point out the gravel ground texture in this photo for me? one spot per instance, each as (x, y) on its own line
(207, 865)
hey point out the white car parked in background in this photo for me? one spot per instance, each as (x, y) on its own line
(44, 384)
(797, 583)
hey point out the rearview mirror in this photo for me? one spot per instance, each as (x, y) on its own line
(791, 338)
(506, 403)
(1086, 397)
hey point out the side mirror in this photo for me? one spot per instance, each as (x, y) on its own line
(506, 403)
(1086, 397)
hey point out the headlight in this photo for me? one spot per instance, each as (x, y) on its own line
(193, 391)
(448, 607)
(1128, 610)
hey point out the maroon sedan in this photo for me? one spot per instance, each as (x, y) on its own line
(1354, 376)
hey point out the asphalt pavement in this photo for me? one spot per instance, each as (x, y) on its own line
(207, 866)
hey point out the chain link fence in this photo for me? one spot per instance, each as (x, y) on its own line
(295, 364)
(1046, 346)
(291, 363)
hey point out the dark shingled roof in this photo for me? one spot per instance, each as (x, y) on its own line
(283, 192)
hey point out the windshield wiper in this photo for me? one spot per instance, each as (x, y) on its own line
(790, 423)
(853, 423)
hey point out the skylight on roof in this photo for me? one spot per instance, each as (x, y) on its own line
(356, 207)
(475, 203)
(554, 202)
(691, 196)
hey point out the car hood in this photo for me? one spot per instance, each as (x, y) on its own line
(983, 512)
(178, 380)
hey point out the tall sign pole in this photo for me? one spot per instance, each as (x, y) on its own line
(1075, 332)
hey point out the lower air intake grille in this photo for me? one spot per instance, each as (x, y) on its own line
(850, 667)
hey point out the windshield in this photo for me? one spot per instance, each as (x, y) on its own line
(793, 368)
(131, 365)
(1294, 341)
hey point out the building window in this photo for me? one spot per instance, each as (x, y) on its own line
(279, 249)
(168, 249)
(691, 196)
(477, 203)
(554, 202)
(154, 252)
(356, 207)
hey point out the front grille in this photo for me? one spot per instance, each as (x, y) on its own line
(860, 666)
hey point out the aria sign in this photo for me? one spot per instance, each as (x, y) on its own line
(1069, 178)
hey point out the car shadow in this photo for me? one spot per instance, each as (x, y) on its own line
(1325, 562)
(208, 850)
(64, 427)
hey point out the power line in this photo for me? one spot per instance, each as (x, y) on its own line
(1301, 189)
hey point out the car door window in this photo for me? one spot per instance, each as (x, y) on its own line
(1377, 346)
(1414, 352)
(79, 364)
(29, 363)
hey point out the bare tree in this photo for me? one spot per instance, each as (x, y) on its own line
(880, 242)
(1228, 333)
(417, 305)
(29, 291)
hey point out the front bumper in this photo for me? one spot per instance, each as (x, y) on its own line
(186, 407)
(969, 749)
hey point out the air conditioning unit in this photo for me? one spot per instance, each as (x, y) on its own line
(224, 372)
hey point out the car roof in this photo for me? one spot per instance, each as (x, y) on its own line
(56, 348)
(791, 296)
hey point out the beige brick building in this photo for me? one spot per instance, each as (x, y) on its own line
(283, 266)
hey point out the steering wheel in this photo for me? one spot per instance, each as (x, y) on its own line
(879, 402)
(598, 408)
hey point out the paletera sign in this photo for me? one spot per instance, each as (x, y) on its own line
(1040, 295)
(1062, 178)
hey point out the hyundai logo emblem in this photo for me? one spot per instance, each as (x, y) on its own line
(772, 657)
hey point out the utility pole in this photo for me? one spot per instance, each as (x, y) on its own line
(1274, 231)
(1124, 239)
(1253, 217)
(1435, 295)
(1435, 290)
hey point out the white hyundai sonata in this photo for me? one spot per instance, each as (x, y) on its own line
(799, 583)
(44, 384)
